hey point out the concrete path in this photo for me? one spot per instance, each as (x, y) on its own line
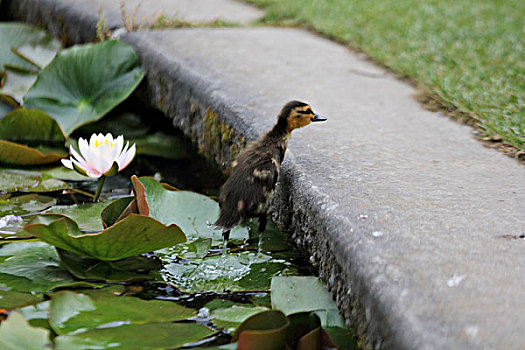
(413, 224)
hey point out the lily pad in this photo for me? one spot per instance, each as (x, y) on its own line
(24, 125)
(292, 294)
(16, 35)
(194, 213)
(85, 82)
(162, 145)
(245, 271)
(7, 104)
(194, 250)
(16, 334)
(132, 236)
(33, 267)
(135, 336)
(10, 299)
(63, 173)
(72, 312)
(263, 331)
(17, 180)
(86, 215)
(50, 185)
(16, 84)
(137, 268)
(17, 154)
(28, 203)
(230, 318)
(37, 314)
(11, 226)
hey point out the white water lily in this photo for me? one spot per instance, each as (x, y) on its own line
(98, 158)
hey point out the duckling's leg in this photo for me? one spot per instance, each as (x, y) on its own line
(262, 227)
(225, 238)
(262, 223)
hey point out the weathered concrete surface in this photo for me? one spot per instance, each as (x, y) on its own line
(74, 21)
(402, 210)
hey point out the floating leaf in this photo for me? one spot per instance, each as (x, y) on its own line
(33, 267)
(11, 226)
(86, 215)
(10, 299)
(137, 268)
(245, 271)
(17, 180)
(263, 331)
(230, 318)
(16, 35)
(15, 153)
(16, 84)
(134, 336)
(50, 185)
(194, 213)
(71, 312)
(63, 173)
(132, 236)
(28, 203)
(305, 332)
(7, 104)
(16, 334)
(37, 314)
(24, 125)
(193, 250)
(292, 294)
(162, 145)
(38, 56)
(85, 82)
(118, 210)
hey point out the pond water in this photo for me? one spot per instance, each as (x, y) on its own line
(221, 291)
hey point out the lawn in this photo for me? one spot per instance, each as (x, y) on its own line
(468, 55)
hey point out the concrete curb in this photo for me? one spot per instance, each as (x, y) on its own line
(396, 281)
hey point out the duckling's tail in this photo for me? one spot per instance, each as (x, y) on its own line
(227, 221)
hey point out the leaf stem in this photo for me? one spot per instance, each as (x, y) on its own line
(99, 188)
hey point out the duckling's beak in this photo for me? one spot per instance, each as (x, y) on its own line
(318, 118)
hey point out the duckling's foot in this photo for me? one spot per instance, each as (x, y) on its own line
(262, 223)
(225, 237)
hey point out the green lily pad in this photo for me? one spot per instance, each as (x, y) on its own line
(16, 84)
(132, 236)
(24, 125)
(33, 267)
(193, 250)
(137, 268)
(10, 299)
(245, 271)
(15, 35)
(50, 185)
(63, 173)
(37, 314)
(134, 336)
(194, 213)
(28, 203)
(263, 331)
(162, 145)
(38, 56)
(85, 82)
(305, 332)
(7, 105)
(293, 294)
(230, 318)
(118, 210)
(86, 215)
(71, 312)
(16, 334)
(17, 154)
(11, 226)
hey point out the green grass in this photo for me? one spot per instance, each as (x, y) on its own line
(469, 55)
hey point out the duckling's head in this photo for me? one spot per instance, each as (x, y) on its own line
(296, 114)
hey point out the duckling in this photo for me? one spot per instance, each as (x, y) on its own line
(255, 171)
